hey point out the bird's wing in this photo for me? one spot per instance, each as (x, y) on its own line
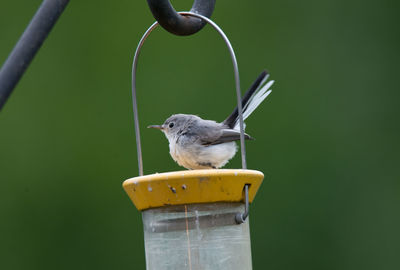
(208, 132)
(225, 135)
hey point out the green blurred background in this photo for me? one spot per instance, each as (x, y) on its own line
(327, 139)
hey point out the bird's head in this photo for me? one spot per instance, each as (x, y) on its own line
(174, 125)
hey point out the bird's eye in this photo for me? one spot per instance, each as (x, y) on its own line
(171, 125)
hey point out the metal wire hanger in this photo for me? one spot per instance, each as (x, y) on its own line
(237, 83)
(239, 217)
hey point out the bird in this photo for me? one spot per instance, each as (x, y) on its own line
(195, 143)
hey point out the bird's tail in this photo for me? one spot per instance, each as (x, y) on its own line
(256, 94)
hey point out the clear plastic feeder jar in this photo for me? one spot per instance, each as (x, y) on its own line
(189, 218)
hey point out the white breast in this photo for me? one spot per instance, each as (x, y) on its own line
(198, 156)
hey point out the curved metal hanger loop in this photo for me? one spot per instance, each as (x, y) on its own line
(237, 84)
(177, 24)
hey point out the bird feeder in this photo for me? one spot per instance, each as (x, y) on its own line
(195, 219)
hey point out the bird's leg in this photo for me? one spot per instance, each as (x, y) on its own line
(206, 164)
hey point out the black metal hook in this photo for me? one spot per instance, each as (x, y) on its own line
(178, 24)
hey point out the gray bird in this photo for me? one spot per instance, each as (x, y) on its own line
(195, 143)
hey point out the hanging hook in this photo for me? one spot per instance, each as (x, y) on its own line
(178, 24)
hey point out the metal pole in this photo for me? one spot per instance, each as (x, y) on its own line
(28, 45)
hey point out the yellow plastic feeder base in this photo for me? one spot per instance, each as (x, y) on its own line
(190, 187)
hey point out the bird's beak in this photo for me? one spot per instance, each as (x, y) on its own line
(156, 126)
